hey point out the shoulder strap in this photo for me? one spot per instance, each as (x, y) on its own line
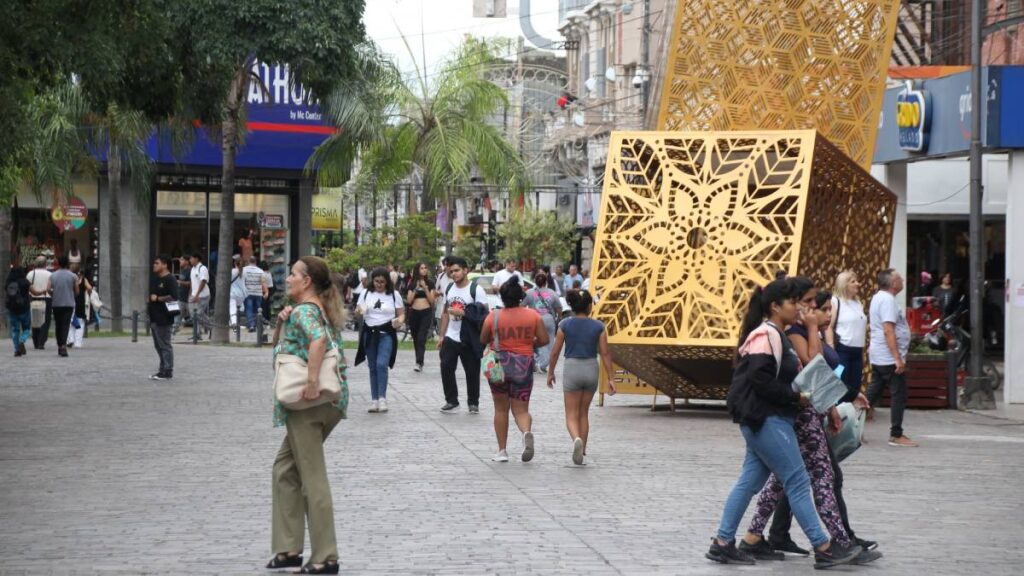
(323, 322)
(472, 290)
(775, 332)
(497, 346)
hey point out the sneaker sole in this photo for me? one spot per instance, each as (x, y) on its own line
(724, 560)
(866, 557)
(452, 411)
(528, 449)
(833, 563)
(577, 451)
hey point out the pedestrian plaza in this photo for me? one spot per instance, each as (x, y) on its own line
(106, 472)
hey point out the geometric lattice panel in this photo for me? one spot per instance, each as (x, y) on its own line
(692, 221)
(781, 65)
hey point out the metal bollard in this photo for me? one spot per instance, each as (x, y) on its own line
(135, 325)
(952, 393)
(259, 331)
(148, 324)
(195, 328)
(238, 332)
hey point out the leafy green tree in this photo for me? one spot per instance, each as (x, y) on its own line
(539, 236)
(316, 39)
(414, 239)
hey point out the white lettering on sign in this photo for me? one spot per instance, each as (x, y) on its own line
(276, 86)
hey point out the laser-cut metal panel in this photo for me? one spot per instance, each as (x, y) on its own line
(774, 64)
(692, 221)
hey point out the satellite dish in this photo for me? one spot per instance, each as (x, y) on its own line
(590, 84)
(578, 119)
(609, 74)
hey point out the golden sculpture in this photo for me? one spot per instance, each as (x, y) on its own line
(692, 221)
(792, 65)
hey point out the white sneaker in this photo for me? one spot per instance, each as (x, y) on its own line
(383, 404)
(501, 456)
(417, 368)
(374, 407)
(527, 446)
(577, 451)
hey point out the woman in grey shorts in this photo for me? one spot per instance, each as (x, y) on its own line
(584, 338)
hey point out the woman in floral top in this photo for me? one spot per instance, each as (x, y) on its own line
(301, 490)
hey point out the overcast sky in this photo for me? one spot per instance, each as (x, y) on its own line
(434, 27)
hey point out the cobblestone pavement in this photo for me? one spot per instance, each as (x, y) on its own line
(104, 471)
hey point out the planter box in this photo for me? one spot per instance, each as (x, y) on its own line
(929, 382)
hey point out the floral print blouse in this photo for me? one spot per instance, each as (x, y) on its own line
(304, 326)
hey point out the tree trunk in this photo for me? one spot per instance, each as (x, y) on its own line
(225, 243)
(114, 247)
(5, 261)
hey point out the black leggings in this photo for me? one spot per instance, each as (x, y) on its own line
(419, 327)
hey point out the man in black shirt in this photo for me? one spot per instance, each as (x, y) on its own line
(162, 308)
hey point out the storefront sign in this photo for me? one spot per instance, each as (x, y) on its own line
(326, 213)
(272, 221)
(913, 119)
(69, 215)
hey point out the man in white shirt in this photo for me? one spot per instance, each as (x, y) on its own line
(457, 296)
(199, 300)
(39, 282)
(887, 352)
(505, 274)
(256, 290)
(443, 281)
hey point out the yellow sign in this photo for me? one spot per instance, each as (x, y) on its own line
(326, 213)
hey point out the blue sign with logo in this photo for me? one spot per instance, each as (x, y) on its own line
(913, 119)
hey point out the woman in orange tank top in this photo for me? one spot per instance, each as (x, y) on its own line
(519, 330)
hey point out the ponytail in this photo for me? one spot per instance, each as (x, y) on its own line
(761, 300)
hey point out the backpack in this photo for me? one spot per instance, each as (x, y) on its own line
(16, 299)
(472, 320)
(353, 280)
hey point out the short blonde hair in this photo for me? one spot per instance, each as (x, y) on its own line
(843, 284)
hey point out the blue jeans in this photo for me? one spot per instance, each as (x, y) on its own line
(21, 326)
(252, 310)
(378, 357)
(773, 448)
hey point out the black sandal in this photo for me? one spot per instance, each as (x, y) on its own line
(327, 568)
(276, 563)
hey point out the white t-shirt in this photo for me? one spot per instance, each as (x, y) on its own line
(884, 308)
(252, 276)
(457, 298)
(443, 281)
(503, 275)
(199, 273)
(40, 279)
(380, 307)
(851, 323)
(269, 279)
(359, 289)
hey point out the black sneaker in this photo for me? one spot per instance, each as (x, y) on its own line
(449, 408)
(866, 557)
(836, 555)
(788, 545)
(158, 376)
(727, 554)
(761, 551)
(867, 544)
(474, 409)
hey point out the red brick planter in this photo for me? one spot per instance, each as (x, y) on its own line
(928, 382)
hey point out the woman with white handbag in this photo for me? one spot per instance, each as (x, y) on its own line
(310, 398)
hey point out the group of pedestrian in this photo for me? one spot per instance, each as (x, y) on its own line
(39, 298)
(789, 462)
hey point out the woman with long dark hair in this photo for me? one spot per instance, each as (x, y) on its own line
(301, 489)
(545, 302)
(382, 311)
(805, 336)
(764, 401)
(584, 339)
(419, 299)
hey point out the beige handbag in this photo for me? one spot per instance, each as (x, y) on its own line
(38, 310)
(291, 374)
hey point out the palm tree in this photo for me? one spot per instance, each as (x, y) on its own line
(437, 128)
(55, 152)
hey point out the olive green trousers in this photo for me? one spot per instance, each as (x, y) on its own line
(301, 490)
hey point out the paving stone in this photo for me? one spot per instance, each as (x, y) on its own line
(105, 471)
